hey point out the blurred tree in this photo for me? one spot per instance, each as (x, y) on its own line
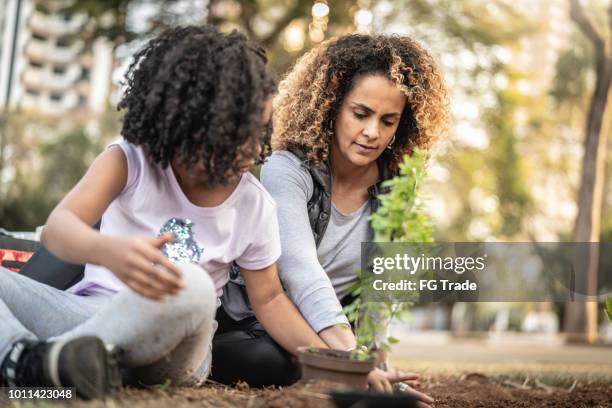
(43, 172)
(283, 27)
(66, 160)
(264, 21)
(590, 195)
(254, 16)
(486, 172)
(19, 151)
(505, 161)
(570, 85)
(466, 24)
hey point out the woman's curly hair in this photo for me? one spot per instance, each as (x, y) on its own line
(195, 94)
(311, 95)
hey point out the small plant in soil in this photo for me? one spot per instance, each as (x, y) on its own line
(399, 218)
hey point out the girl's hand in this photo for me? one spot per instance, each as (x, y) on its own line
(381, 381)
(138, 262)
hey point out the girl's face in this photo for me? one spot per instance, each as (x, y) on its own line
(245, 157)
(367, 121)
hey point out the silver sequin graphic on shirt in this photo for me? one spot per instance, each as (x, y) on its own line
(183, 247)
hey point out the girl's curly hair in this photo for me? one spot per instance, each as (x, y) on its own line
(311, 95)
(195, 94)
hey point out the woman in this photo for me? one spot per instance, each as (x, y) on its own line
(344, 117)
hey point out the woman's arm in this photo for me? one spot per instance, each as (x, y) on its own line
(275, 311)
(339, 337)
(68, 233)
(307, 284)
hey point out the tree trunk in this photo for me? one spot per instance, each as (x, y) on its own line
(581, 323)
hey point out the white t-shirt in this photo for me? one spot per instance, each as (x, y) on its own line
(244, 228)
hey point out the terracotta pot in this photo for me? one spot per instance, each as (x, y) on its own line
(334, 365)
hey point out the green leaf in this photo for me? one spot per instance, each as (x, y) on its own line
(399, 218)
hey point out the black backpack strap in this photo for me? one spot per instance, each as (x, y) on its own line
(319, 204)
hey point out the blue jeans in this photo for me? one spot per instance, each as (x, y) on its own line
(157, 341)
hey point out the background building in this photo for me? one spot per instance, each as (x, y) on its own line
(46, 66)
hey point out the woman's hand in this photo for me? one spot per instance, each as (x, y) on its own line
(406, 383)
(378, 381)
(138, 262)
(396, 376)
(382, 381)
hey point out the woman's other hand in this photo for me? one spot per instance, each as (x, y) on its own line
(394, 375)
(382, 381)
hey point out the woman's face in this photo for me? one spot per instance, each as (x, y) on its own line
(368, 119)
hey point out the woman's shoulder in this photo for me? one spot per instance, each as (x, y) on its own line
(283, 163)
(284, 157)
(284, 168)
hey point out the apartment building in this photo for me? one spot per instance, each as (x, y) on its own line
(46, 66)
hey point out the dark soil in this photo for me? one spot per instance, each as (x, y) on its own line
(480, 391)
(474, 390)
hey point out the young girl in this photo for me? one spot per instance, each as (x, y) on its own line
(197, 111)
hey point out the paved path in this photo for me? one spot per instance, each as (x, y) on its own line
(440, 352)
(443, 347)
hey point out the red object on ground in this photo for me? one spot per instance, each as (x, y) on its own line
(15, 252)
(13, 259)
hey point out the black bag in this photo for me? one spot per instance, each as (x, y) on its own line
(46, 268)
(42, 266)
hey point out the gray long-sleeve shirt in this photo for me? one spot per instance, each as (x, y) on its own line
(314, 278)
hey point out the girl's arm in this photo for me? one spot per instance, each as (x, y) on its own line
(68, 233)
(276, 312)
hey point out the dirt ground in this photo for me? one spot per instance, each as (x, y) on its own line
(455, 373)
(472, 390)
